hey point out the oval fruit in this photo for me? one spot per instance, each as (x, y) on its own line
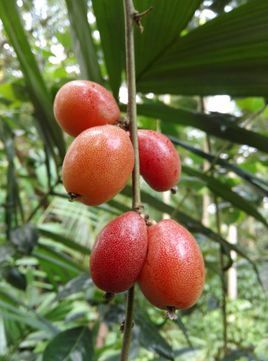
(173, 274)
(160, 163)
(98, 164)
(82, 104)
(119, 253)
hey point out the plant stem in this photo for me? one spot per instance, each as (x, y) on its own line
(131, 108)
(208, 149)
(129, 12)
(128, 325)
(223, 283)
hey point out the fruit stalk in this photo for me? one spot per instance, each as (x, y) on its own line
(131, 107)
(129, 12)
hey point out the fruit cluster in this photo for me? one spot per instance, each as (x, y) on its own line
(163, 258)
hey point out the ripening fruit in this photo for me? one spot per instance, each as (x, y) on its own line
(119, 253)
(173, 274)
(82, 104)
(98, 164)
(160, 163)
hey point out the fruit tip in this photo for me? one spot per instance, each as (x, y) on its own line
(73, 196)
(171, 313)
(108, 297)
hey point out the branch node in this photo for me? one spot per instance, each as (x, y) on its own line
(139, 208)
(123, 123)
(137, 17)
(123, 324)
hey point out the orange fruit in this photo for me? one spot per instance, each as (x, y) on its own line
(82, 104)
(98, 164)
(173, 274)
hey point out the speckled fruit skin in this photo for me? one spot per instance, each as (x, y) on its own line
(98, 164)
(173, 274)
(82, 104)
(159, 161)
(119, 253)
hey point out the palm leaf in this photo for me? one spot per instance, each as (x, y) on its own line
(219, 125)
(36, 87)
(83, 42)
(224, 191)
(257, 182)
(229, 54)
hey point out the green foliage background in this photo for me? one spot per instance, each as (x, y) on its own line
(188, 52)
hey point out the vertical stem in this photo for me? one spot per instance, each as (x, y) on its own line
(221, 259)
(129, 12)
(131, 108)
(223, 283)
(128, 325)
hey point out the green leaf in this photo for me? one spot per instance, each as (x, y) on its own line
(110, 21)
(219, 125)
(183, 329)
(38, 91)
(6, 252)
(228, 54)
(239, 355)
(10, 308)
(224, 191)
(76, 285)
(150, 337)
(6, 92)
(45, 231)
(161, 29)
(12, 190)
(83, 41)
(184, 350)
(57, 265)
(259, 183)
(71, 345)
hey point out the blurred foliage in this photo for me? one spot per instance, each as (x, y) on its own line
(49, 307)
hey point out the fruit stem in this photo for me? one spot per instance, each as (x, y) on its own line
(129, 13)
(131, 107)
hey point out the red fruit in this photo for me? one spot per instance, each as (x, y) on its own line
(160, 163)
(173, 274)
(82, 104)
(119, 253)
(98, 164)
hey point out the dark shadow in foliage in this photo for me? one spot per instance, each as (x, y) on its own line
(24, 238)
(14, 277)
(238, 354)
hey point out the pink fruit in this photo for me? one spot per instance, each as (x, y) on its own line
(159, 161)
(119, 253)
